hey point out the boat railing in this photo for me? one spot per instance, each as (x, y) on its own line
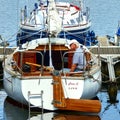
(118, 23)
(89, 62)
(33, 19)
(24, 15)
(34, 63)
(39, 15)
(25, 62)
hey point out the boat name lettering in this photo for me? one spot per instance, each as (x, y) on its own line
(72, 88)
(72, 85)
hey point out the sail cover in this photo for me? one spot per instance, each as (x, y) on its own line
(54, 20)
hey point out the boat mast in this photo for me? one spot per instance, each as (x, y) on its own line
(54, 24)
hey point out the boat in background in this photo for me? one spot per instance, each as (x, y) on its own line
(75, 19)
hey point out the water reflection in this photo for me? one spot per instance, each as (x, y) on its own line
(12, 112)
(2, 98)
(109, 107)
(109, 111)
(65, 116)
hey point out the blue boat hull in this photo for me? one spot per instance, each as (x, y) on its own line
(84, 36)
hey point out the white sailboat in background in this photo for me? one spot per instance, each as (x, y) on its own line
(41, 66)
(76, 23)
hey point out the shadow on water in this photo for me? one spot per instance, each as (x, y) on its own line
(13, 112)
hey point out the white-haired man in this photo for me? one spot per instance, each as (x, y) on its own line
(79, 59)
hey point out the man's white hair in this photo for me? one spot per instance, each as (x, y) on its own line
(78, 44)
(75, 42)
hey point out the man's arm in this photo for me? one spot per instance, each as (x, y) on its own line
(73, 67)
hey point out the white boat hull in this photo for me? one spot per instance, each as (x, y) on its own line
(77, 88)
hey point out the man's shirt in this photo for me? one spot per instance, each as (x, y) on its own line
(79, 58)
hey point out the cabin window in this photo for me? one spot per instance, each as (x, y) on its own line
(57, 60)
(73, 21)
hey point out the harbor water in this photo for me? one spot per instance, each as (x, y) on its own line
(11, 111)
(104, 16)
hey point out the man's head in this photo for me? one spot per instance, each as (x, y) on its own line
(73, 44)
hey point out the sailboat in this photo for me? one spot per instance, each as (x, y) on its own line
(36, 73)
(76, 23)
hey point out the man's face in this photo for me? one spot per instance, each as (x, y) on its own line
(73, 46)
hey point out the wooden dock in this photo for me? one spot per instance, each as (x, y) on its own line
(105, 48)
(108, 53)
(4, 51)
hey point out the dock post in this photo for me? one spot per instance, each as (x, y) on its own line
(111, 69)
(112, 87)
